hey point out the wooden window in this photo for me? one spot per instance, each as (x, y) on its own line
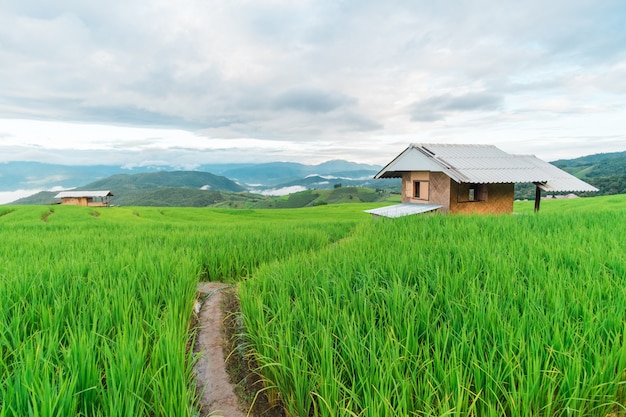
(421, 189)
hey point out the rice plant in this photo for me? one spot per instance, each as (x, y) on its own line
(518, 315)
(450, 315)
(95, 311)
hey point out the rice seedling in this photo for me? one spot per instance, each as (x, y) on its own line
(450, 315)
(95, 311)
(425, 316)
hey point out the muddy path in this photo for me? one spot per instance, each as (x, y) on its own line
(225, 373)
(218, 396)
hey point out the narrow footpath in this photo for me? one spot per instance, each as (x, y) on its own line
(218, 397)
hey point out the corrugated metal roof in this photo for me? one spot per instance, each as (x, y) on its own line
(78, 194)
(404, 209)
(482, 164)
(559, 181)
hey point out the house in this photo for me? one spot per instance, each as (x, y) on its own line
(85, 198)
(469, 179)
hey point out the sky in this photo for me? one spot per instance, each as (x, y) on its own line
(136, 82)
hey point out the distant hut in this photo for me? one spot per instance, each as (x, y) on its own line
(85, 198)
(469, 179)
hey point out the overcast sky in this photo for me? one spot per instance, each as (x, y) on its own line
(196, 81)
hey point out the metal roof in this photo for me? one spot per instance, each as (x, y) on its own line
(404, 209)
(560, 181)
(78, 194)
(482, 164)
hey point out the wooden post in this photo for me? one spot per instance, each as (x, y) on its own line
(537, 198)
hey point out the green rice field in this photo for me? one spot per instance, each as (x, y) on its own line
(346, 315)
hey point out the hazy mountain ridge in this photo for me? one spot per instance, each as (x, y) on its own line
(182, 188)
(161, 179)
(324, 182)
(273, 174)
(166, 187)
(228, 182)
(37, 175)
(32, 175)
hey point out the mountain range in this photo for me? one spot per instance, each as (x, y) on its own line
(196, 188)
(37, 175)
(235, 183)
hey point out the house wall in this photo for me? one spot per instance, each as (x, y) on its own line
(499, 200)
(440, 190)
(445, 191)
(408, 179)
(75, 201)
(435, 188)
(84, 201)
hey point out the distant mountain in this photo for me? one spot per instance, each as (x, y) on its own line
(264, 178)
(163, 179)
(259, 174)
(37, 175)
(592, 160)
(318, 182)
(276, 173)
(592, 166)
(177, 188)
(40, 198)
(228, 183)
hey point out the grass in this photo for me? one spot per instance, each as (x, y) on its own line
(451, 315)
(347, 315)
(96, 310)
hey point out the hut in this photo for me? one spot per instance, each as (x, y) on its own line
(85, 198)
(469, 179)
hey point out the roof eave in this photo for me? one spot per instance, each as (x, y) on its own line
(586, 188)
(388, 174)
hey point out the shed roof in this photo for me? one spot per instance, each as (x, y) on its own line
(482, 164)
(78, 194)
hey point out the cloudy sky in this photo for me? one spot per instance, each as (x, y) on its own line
(196, 81)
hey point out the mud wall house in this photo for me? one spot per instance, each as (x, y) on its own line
(469, 179)
(85, 198)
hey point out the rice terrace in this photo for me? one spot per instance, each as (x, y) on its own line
(341, 313)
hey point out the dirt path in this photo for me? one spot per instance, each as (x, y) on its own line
(218, 398)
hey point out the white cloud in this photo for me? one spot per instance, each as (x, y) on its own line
(150, 82)
(11, 196)
(281, 191)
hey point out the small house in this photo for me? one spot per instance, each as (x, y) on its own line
(85, 198)
(469, 179)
